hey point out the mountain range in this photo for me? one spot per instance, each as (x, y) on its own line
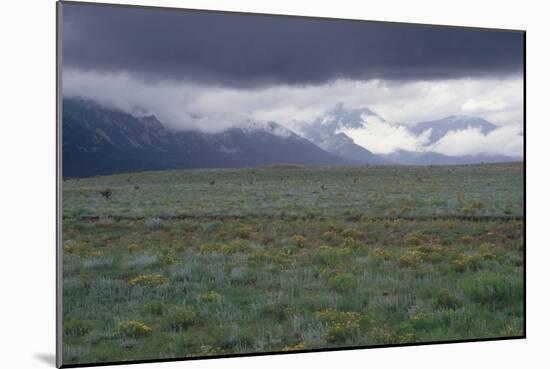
(98, 140)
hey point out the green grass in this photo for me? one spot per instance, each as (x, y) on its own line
(286, 258)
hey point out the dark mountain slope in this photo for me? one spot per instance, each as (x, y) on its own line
(98, 140)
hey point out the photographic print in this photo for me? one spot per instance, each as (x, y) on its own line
(235, 183)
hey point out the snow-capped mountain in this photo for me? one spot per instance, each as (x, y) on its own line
(439, 128)
(325, 132)
(337, 131)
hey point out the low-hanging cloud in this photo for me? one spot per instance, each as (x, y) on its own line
(186, 105)
(507, 140)
(381, 137)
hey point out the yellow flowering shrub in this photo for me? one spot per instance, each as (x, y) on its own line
(350, 232)
(341, 324)
(328, 236)
(411, 259)
(414, 239)
(244, 231)
(133, 328)
(381, 253)
(149, 280)
(209, 296)
(134, 247)
(299, 240)
(296, 347)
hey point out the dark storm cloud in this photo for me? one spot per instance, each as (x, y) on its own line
(251, 50)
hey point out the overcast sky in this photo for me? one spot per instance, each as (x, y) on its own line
(226, 67)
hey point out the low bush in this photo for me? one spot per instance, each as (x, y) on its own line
(327, 255)
(410, 259)
(444, 299)
(149, 280)
(181, 317)
(299, 240)
(209, 296)
(77, 327)
(154, 308)
(133, 328)
(341, 325)
(342, 282)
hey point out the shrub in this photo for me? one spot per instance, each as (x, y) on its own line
(209, 296)
(392, 333)
(181, 318)
(264, 257)
(106, 193)
(206, 248)
(82, 249)
(444, 299)
(134, 247)
(350, 232)
(342, 282)
(169, 258)
(299, 240)
(418, 316)
(341, 325)
(486, 251)
(296, 347)
(351, 243)
(329, 255)
(431, 253)
(328, 236)
(414, 239)
(332, 316)
(467, 239)
(149, 280)
(411, 259)
(227, 249)
(385, 335)
(154, 308)
(244, 231)
(464, 262)
(133, 328)
(275, 311)
(341, 332)
(77, 327)
(388, 223)
(381, 253)
(478, 205)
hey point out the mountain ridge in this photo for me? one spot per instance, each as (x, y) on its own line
(99, 140)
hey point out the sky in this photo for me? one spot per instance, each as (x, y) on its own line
(210, 71)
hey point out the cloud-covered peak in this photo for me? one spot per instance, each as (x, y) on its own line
(441, 127)
(454, 135)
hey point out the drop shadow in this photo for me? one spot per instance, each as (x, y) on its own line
(46, 358)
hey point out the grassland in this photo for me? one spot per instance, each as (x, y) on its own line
(212, 262)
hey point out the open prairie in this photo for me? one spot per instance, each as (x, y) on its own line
(186, 263)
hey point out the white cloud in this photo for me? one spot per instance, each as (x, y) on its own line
(384, 138)
(506, 140)
(178, 105)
